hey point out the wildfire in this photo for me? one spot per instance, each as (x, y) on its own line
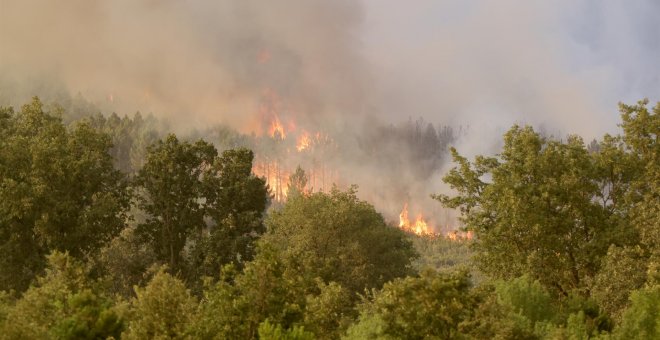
(276, 128)
(457, 235)
(419, 227)
(304, 141)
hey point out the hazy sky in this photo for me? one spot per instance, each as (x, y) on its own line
(563, 64)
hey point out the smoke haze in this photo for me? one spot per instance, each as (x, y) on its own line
(343, 66)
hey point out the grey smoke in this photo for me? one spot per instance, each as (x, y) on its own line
(343, 66)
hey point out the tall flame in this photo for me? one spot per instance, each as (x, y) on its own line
(276, 129)
(403, 217)
(419, 227)
(304, 141)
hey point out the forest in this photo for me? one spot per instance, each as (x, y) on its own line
(112, 227)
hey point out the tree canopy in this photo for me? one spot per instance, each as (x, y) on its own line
(58, 191)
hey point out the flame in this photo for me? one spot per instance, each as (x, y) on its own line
(403, 217)
(276, 129)
(304, 141)
(419, 227)
(276, 177)
(457, 235)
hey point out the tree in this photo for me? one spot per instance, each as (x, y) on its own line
(297, 182)
(125, 262)
(235, 201)
(329, 312)
(58, 191)
(427, 307)
(171, 193)
(642, 319)
(235, 306)
(268, 331)
(164, 309)
(63, 304)
(538, 214)
(193, 197)
(623, 271)
(339, 238)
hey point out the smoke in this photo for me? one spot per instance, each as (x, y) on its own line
(346, 67)
(564, 64)
(194, 62)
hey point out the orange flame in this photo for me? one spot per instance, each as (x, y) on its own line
(304, 141)
(457, 235)
(419, 227)
(276, 129)
(276, 178)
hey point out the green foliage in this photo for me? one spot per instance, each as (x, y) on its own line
(184, 185)
(63, 305)
(268, 331)
(170, 186)
(297, 182)
(235, 202)
(339, 238)
(623, 271)
(328, 314)
(560, 207)
(58, 191)
(442, 254)
(569, 230)
(527, 298)
(493, 320)
(642, 319)
(369, 327)
(164, 309)
(541, 201)
(125, 262)
(427, 307)
(236, 305)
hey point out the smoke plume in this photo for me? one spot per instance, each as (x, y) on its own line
(361, 71)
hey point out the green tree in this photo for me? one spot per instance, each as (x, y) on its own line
(58, 191)
(235, 306)
(171, 193)
(427, 307)
(164, 309)
(235, 201)
(125, 262)
(211, 206)
(339, 238)
(297, 182)
(329, 312)
(268, 331)
(642, 319)
(527, 298)
(537, 214)
(63, 304)
(623, 271)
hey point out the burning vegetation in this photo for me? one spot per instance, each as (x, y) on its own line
(283, 143)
